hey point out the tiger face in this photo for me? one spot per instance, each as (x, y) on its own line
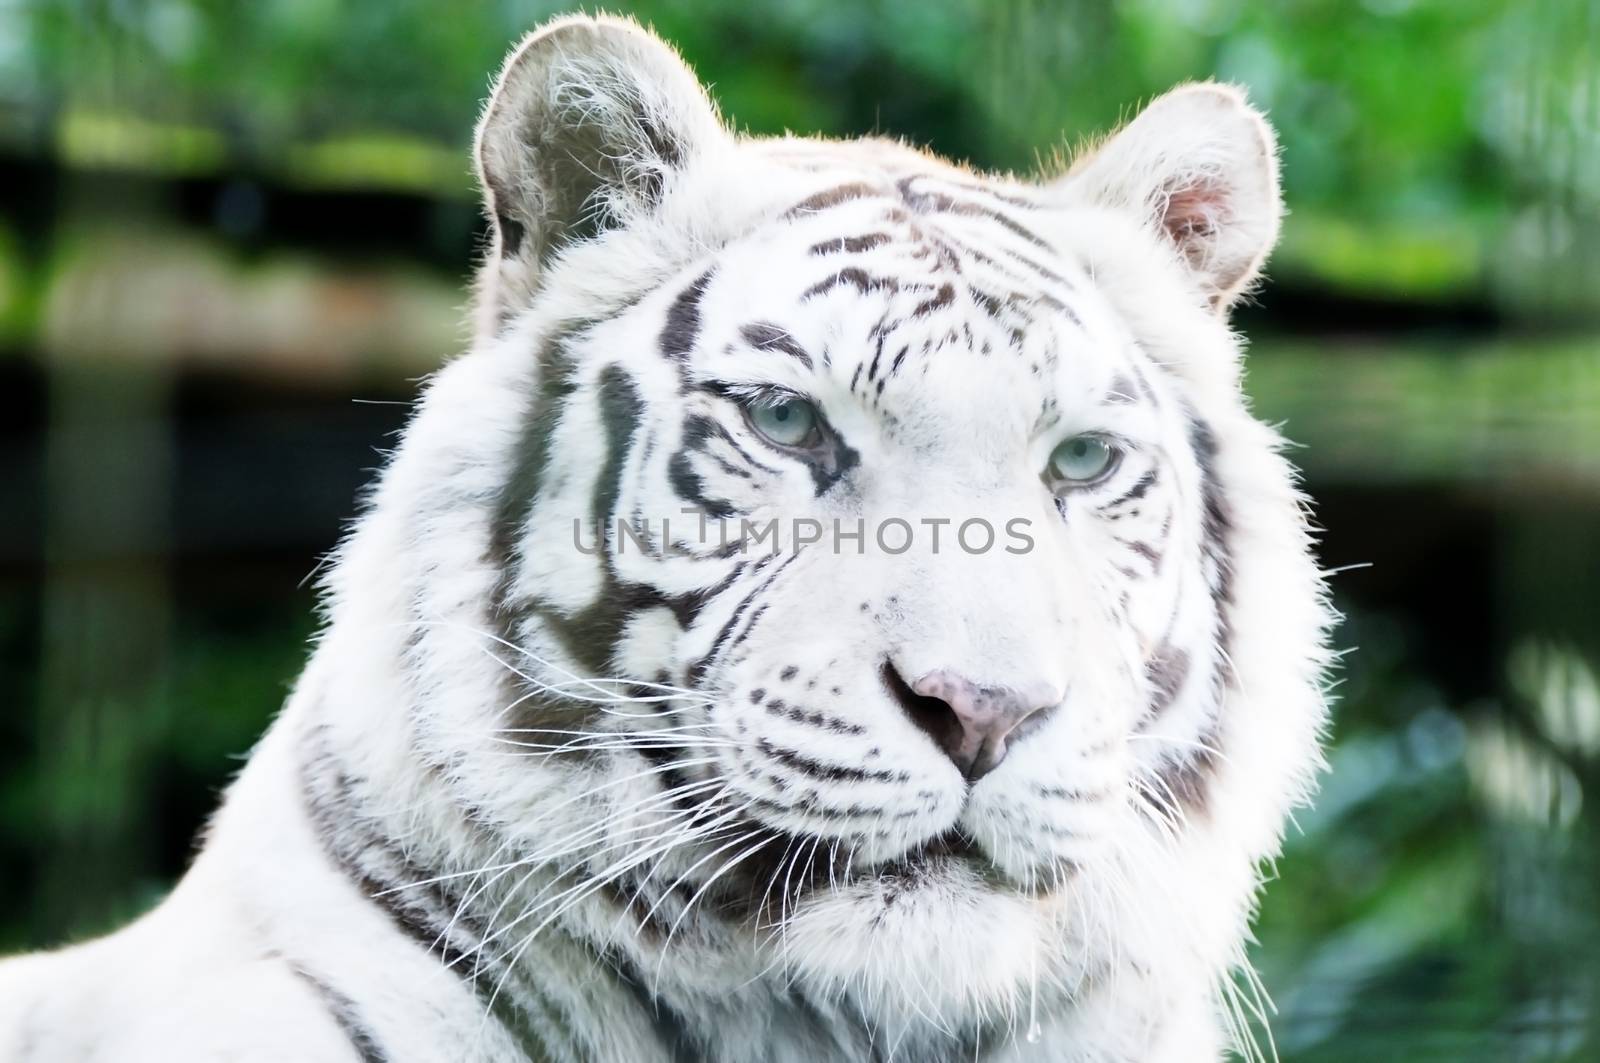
(894, 490)
(882, 551)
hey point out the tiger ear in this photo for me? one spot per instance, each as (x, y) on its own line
(589, 120)
(1199, 166)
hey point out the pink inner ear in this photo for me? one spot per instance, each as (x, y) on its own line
(1195, 212)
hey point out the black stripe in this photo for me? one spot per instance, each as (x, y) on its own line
(942, 203)
(1188, 777)
(858, 279)
(955, 250)
(697, 669)
(672, 1029)
(809, 806)
(1121, 393)
(943, 298)
(621, 412)
(850, 244)
(831, 198)
(540, 419)
(1216, 526)
(591, 635)
(1144, 550)
(797, 761)
(894, 366)
(688, 484)
(422, 913)
(1035, 267)
(750, 625)
(1184, 784)
(1166, 671)
(531, 459)
(990, 304)
(683, 319)
(346, 1015)
(764, 336)
(877, 356)
(809, 717)
(993, 193)
(686, 606)
(1137, 491)
(699, 429)
(351, 842)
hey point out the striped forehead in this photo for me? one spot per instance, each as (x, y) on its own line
(897, 289)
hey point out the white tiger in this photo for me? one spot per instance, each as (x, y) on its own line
(783, 780)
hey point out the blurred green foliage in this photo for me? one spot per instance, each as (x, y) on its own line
(1430, 145)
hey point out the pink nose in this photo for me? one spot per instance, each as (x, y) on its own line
(973, 723)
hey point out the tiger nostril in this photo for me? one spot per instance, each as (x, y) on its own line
(933, 714)
(970, 723)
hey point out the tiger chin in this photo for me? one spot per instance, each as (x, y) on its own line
(841, 607)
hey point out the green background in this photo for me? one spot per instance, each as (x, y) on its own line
(233, 235)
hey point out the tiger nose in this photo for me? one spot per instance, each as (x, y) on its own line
(975, 724)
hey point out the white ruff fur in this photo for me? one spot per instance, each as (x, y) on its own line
(451, 846)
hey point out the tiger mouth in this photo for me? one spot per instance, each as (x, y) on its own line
(954, 853)
(929, 859)
(791, 867)
(795, 867)
(952, 845)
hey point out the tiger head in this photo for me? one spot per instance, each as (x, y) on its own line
(870, 555)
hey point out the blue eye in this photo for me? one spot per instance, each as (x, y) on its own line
(1083, 460)
(790, 422)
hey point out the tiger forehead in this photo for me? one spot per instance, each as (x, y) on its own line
(875, 279)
